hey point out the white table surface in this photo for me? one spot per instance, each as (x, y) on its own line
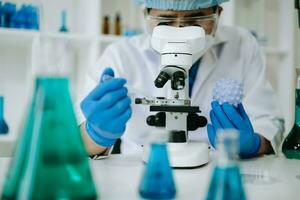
(267, 177)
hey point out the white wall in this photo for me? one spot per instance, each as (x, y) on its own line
(297, 41)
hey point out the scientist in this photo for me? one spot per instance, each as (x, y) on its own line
(107, 112)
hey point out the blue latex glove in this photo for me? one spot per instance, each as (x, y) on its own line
(226, 116)
(107, 109)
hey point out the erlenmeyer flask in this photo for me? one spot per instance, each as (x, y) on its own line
(3, 125)
(291, 145)
(226, 182)
(20, 155)
(157, 181)
(50, 161)
(58, 165)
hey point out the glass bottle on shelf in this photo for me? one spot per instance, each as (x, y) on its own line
(291, 144)
(118, 25)
(105, 25)
(8, 10)
(157, 181)
(226, 182)
(50, 160)
(64, 27)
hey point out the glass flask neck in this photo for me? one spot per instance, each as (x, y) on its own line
(52, 57)
(61, 81)
(297, 107)
(226, 158)
(1, 107)
(227, 148)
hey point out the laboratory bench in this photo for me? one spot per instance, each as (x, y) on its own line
(267, 177)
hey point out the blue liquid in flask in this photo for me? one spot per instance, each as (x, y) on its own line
(226, 184)
(158, 181)
(3, 125)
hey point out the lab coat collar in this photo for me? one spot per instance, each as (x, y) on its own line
(212, 54)
(221, 36)
(209, 60)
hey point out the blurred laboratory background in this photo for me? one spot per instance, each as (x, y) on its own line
(87, 27)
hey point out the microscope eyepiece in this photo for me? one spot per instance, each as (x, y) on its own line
(161, 79)
(178, 81)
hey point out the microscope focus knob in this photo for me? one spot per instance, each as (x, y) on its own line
(194, 122)
(158, 120)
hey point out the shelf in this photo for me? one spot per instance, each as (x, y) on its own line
(110, 38)
(74, 39)
(68, 36)
(19, 37)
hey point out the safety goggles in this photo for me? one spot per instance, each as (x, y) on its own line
(208, 23)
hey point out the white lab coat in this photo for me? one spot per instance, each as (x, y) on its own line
(235, 55)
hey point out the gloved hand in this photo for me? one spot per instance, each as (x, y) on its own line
(107, 109)
(226, 116)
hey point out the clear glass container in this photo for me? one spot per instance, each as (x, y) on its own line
(157, 181)
(291, 144)
(50, 160)
(226, 182)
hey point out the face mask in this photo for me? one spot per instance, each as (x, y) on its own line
(209, 42)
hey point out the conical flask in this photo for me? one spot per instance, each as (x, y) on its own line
(157, 181)
(226, 182)
(58, 166)
(52, 163)
(20, 155)
(3, 125)
(291, 145)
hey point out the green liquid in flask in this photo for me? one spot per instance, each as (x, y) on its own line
(20, 155)
(291, 145)
(57, 165)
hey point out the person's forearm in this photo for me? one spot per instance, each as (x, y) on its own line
(265, 147)
(91, 147)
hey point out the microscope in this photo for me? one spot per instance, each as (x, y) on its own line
(179, 49)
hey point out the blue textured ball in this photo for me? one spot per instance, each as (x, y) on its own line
(228, 91)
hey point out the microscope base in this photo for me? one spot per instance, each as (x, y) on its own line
(192, 154)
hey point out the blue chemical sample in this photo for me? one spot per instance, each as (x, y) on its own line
(18, 19)
(226, 182)
(0, 13)
(64, 27)
(26, 17)
(3, 125)
(8, 10)
(158, 181)
(32, 18)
